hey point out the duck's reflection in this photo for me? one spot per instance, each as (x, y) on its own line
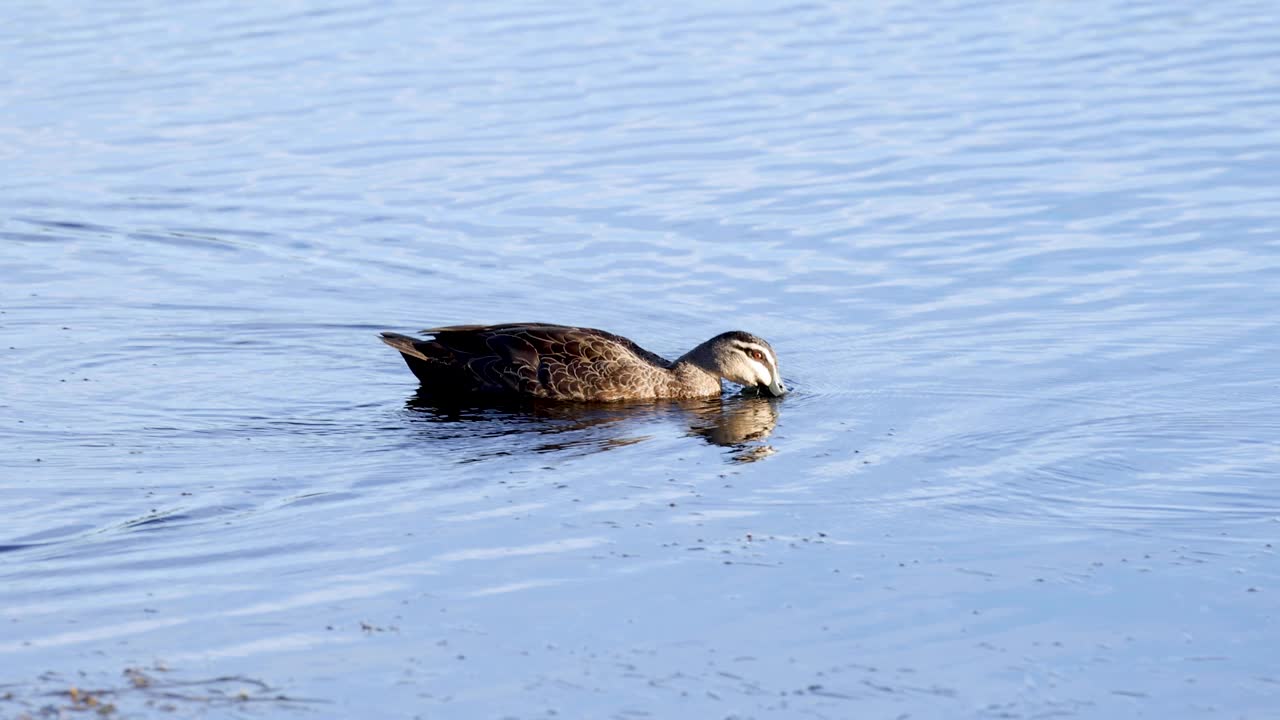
(739, 422)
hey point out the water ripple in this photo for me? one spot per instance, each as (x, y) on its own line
(1019, 263)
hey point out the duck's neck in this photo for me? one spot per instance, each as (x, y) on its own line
(696, 371)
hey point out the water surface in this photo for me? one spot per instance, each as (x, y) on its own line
(1021, 265)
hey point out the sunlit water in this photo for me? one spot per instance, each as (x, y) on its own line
(1021, 264)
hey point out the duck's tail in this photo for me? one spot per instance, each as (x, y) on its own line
(415, 353)
(405, 344)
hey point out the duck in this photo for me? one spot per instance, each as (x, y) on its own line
(561, 362)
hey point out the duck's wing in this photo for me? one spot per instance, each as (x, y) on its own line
(531, 359)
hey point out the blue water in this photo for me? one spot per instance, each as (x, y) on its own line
(1021, 265)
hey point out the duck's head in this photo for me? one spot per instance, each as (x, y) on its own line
(747, 360)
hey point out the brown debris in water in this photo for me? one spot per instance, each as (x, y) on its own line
(140, 688)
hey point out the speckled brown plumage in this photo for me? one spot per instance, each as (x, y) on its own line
(557, 362)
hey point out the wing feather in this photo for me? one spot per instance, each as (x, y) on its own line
(531, 359)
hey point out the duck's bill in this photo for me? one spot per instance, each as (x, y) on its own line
(774, 388)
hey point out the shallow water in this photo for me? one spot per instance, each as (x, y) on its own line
(1021, 266)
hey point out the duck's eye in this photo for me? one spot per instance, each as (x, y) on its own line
(756, 354)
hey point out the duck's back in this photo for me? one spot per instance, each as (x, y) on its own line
(533, 360)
